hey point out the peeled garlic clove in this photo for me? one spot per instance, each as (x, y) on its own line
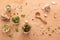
(45, 15)
(26, 21)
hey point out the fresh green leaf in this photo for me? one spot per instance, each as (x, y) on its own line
(23, 15)
(16, 30)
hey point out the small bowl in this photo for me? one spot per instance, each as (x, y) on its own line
(26, 32)
(6, 28)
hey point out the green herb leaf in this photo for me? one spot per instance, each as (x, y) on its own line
(16, 30)
(22, 15)
(15, 19)
(10, 35)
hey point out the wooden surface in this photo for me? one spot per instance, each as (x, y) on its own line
(29, 8)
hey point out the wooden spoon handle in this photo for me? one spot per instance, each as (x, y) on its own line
(42, 20)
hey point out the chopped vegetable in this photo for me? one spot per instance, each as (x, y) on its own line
(53, 31)
(23, 15)
(16, 30)
(16, 19)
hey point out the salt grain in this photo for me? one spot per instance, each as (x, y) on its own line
(45, 15)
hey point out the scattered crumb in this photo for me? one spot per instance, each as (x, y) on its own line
(20, 7)
(46, 8)
(49, 34)
(10, 35)
(26, 21)
(59, 27)
(42, 33)
(37, 14)
(53, 31)
(26, 3)
(46, 32)
(48, 28)
(54, 15)
(17, 13)
(53, 2)
(32, 19)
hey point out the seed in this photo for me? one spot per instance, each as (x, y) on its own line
(42, 33)
(49, 34)
(58, 27)
(52, 31)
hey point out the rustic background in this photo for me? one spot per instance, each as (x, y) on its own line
(39, 30)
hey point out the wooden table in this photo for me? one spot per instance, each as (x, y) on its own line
(39, 30)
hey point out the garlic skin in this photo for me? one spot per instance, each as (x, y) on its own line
(46, 8)
(5, 17)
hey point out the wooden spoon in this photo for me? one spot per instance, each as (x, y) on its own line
(37, 15)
